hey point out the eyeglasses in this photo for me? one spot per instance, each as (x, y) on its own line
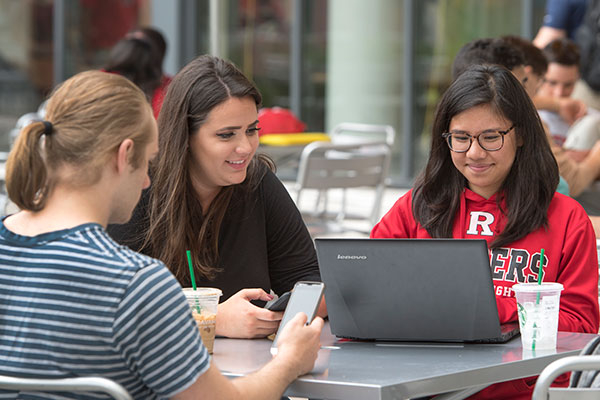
(489, 141)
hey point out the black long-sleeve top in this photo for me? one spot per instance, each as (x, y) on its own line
(263, 241)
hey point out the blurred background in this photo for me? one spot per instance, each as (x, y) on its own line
(329, 61)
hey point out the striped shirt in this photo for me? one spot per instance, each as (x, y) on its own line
(75, 303)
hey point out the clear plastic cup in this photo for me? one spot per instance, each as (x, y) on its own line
(537, 306)
(203, 302)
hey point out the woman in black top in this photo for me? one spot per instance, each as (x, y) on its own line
(211, 194)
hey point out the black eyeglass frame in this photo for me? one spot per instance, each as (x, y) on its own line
(447, 136)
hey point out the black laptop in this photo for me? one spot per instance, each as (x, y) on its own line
(411, 290)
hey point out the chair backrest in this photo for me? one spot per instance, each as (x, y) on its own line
(83, 384)
(325, 165)
(543, 390)
(352, 133)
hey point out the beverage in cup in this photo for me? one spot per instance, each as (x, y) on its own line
(537, 307)
(203, 302)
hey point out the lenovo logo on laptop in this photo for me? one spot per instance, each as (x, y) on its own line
(345, 257)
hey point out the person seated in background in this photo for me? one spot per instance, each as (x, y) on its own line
(98, 308)
(160, 44)
(578, 175)
(136, 59)
(578, 21)
(581, 142)
(559, 81)
(213, 195)
(491, 175)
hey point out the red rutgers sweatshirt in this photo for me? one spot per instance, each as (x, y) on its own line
(570, 258)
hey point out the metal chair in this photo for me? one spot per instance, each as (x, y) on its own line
(324, 166)
(552, 371)
(83, 384)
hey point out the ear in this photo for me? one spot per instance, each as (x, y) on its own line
(528, 70)
(124, 153)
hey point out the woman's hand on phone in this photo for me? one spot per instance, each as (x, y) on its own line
(240, 319)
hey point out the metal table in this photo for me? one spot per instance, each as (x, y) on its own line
(368, 370)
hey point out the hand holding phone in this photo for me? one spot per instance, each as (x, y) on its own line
(305, 298)
(238, 318)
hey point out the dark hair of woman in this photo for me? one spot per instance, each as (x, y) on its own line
(135, 59)
(532, 180)
(174, 207)
(155, 37)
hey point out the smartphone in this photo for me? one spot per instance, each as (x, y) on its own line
(306, 297)
(279, 303)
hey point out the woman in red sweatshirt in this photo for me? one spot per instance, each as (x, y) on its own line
(491, 175)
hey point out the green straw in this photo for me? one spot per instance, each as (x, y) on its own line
(537, 300)
(189, 257)
(540, 273)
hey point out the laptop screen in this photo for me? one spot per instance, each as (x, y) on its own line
(409, 289)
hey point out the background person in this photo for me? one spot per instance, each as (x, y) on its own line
(160, 44)
(587, 89)
(581, 142)
(136, 59)
(154, 36)
(562, 19)
(211, 194)
(578, 175)
(491, 175)
(99, 308)
(559, 82)
(576, 20)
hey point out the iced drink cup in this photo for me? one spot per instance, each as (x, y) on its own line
(203, 302)
(537, 306)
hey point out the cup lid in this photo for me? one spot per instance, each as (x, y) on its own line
(536, 287)
(202, 291)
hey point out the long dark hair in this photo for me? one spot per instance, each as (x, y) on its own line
(532, 180)
(176, 219)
